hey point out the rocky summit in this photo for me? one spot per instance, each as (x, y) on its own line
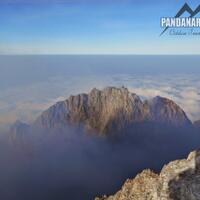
(112, 109)
(179, 180)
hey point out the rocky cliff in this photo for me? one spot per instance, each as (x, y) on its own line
(112, 109)
(179, 180)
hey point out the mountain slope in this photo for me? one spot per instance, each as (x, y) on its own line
(179, 180)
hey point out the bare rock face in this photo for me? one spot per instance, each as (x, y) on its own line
(112, 109)
(98, 110)
(166, 111)
(179, 180)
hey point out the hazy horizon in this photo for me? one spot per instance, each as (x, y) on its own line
(30, 84)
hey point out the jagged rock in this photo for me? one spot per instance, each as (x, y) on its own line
(112, 110)
(179, 180)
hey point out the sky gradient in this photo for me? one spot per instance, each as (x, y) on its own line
(91, 27)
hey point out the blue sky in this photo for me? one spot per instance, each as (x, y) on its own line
(91, 27)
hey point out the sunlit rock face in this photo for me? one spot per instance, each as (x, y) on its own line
(112, 110)
(179, 180)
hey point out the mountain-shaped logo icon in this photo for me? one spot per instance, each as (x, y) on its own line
(185, 8)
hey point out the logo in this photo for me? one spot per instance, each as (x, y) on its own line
(182, 22)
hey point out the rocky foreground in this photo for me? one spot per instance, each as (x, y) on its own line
(179, 180)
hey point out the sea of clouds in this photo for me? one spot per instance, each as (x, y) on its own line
(26, 102)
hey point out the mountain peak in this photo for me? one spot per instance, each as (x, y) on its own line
(167, 111)
(112, 110)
